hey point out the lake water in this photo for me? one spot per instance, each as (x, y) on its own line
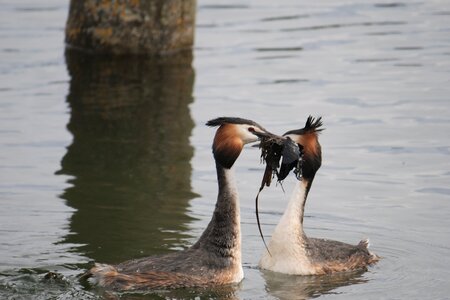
(107, 159)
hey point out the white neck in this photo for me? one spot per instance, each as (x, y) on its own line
(292, 220)
(287, 249)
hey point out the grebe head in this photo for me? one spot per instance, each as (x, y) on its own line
(308, 141)
(232, 135)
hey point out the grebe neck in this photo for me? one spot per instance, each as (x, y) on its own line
(287, 245)
(292, 218)
(223, 234)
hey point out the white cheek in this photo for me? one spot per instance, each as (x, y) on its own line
(294, 137)
(291, 136)
(250, 138)
(247, 136)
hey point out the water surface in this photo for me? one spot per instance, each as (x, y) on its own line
(105, 159)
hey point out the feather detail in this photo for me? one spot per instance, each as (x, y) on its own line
(227, 145)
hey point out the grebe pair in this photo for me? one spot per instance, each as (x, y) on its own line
(290, 251)
(215, 259)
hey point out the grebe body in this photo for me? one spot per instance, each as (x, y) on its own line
(215, 259)
(291, 251)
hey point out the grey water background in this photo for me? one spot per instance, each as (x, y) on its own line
(107, 159)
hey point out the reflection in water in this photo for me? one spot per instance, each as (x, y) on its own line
(130, 155)
(284, 286)
(219, 292)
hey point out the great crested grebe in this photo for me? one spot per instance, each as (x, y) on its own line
(215, 259)
(291, 251)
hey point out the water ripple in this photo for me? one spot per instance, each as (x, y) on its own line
(435, 190)
(390, 5)
(409, 48)
(284, 18)
(335, 26)
(277, 49)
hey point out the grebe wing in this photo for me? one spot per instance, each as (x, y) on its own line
(329, 250)
(110, 277)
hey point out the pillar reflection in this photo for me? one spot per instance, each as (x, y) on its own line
(130, 155)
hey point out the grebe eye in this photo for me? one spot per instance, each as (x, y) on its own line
(251, 129)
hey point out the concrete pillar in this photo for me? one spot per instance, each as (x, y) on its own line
(131, 26)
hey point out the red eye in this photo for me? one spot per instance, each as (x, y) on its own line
(251, 129)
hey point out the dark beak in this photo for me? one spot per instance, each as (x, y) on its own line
(266, 134)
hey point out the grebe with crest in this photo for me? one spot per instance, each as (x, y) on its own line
(215, 259)
(290, 251)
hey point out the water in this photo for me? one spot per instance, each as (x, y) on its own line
(108, 159)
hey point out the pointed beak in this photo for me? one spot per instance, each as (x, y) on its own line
(265, 134)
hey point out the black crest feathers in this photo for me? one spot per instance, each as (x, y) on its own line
(231, 120)
(312, 125)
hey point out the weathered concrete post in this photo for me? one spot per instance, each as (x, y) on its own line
(131, 26)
